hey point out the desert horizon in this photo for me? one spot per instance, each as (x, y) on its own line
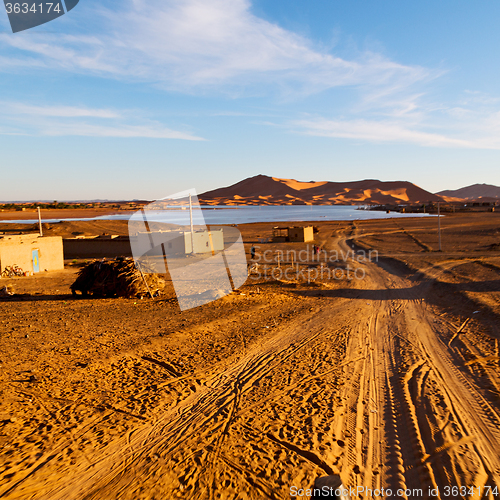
(249, 250)
(264, 190)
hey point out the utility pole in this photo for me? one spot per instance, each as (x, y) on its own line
(439, 226)
(191, 222)
(40, 222)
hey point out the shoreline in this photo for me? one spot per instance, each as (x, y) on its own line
(15, 215)
(295, 215)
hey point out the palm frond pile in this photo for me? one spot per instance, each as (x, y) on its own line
(117, 278)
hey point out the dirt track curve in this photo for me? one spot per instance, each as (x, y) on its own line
(367, 387)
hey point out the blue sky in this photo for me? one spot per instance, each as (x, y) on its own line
(141, 99)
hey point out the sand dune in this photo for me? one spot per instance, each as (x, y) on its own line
(299, 185)
(474, 192)
(262, 189)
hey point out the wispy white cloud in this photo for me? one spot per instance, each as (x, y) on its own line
(185, 45)
(124, 131)
(475, 97)
(468, 129)
(203, 46)
(27, 119)
(60, 111)
(375, 131)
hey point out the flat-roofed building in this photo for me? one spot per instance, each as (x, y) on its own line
(293, 233)
(181, 242)
(31, 252)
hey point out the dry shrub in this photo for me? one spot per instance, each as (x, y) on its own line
(117, 278)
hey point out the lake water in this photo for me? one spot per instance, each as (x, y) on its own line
(246, 214)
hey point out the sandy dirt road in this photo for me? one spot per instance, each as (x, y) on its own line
(415, 418)
(367, 385)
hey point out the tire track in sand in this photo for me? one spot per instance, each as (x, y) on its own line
(204, 415)
(410, 452)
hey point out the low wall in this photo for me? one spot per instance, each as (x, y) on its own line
(111, 247)
(96, 248)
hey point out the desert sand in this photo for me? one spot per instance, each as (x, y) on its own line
(391, 380)
(265, 190)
